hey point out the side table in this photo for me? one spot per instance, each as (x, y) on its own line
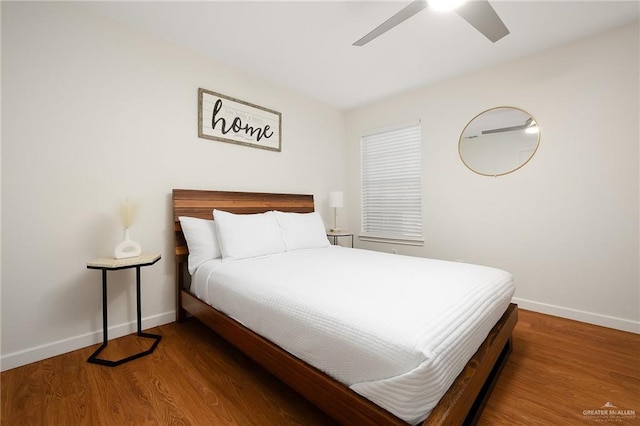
(111, 264)
(337, 234)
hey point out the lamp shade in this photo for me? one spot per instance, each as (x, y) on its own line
(335, 199)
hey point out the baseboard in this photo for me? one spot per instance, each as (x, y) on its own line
(578, 315)
(38, 353)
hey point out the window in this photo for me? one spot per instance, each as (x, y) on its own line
(392, 185)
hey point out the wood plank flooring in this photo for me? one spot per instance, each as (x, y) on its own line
(558, 370)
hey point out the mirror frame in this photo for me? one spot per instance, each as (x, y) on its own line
(509, 171)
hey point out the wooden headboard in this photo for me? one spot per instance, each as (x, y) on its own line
(197, 203)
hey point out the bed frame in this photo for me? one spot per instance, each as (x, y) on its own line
(463, 402)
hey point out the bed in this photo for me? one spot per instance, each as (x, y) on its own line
(462, 402)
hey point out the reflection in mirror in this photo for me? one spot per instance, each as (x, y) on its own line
(499, 141)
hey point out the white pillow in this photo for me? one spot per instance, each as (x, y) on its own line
(202, 240)
(242, 236)
(302, 230)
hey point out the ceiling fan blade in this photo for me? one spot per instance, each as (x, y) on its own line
(411, 9)
(481, 15)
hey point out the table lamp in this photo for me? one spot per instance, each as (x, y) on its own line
(335, 201)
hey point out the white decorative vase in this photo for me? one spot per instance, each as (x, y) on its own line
(127, 248)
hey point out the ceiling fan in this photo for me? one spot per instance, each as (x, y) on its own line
(479, 13)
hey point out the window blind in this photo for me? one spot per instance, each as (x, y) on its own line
(392, 184)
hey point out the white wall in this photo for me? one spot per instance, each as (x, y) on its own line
(565, 225)
(93, 112)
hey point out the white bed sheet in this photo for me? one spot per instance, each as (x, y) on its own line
(395, 329)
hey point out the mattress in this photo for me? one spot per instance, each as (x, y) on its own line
(396, 329)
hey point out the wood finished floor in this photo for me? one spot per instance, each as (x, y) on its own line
(558, 369)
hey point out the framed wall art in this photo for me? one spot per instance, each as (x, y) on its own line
(225, 119)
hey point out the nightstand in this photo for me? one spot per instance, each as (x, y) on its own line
(337, 234)
(111, 264)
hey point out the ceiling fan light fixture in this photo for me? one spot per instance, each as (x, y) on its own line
(445, 5)
(478, 13)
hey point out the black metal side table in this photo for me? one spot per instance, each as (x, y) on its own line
(111, 264)
(337, 234)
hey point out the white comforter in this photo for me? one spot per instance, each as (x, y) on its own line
(395, 329)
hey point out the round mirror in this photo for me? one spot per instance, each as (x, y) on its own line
(499, 141)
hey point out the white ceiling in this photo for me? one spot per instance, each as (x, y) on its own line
(306, 46)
